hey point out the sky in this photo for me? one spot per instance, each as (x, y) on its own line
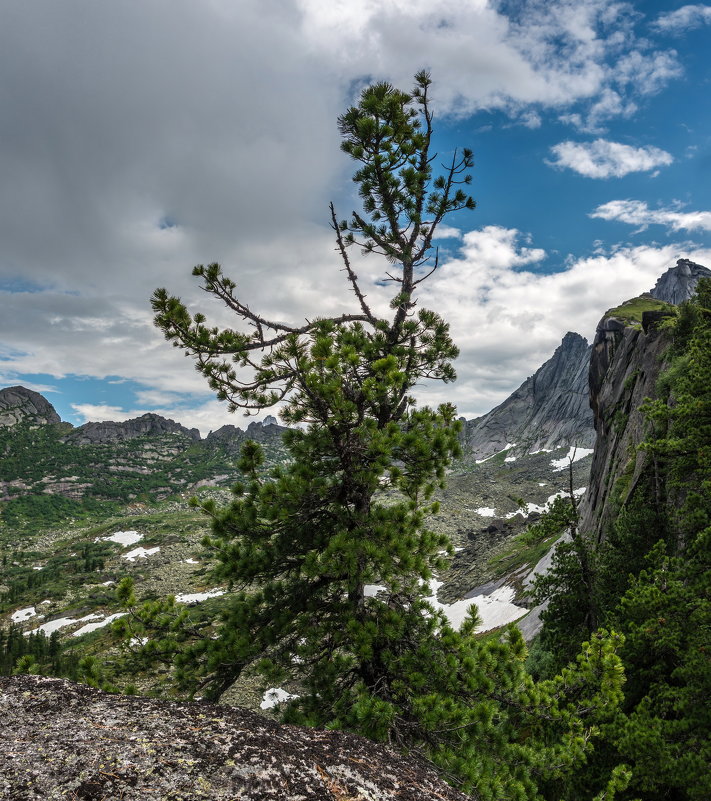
(140, 138)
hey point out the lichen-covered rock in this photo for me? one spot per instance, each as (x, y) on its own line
(61, 740)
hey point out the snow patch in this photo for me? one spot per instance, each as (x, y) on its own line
(534, 507)
(21, 615)
(274, 696)
(510, 458)
(495, 609)
(574, 455)
(506, 447)
(196, 597)
(54, 625)
(140, 553)
(191, 561)
(124, 538)
(371, 590)
(486, 511)
(99, 625)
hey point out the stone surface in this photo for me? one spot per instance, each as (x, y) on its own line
(678, 283)
(21, 405)
(548, 410)
(67, 741)
(625, 365)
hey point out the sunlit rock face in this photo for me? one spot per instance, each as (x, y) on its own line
(68, 740)
(678, 283)
(548, 410)
(21, 405)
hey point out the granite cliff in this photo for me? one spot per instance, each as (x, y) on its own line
(626, 362)
(550, 409)
(678, 283)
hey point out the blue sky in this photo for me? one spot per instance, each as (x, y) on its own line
(140, 138)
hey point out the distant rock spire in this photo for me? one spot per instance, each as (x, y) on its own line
(548, 410)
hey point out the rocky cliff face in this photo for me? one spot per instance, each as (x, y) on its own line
(678, 283)
(627, 359)
(62, 740)
(548, 410)
(624, 368)
(232, 438)
(21, 405)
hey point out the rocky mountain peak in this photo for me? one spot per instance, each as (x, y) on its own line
(548, 410)
(22, 405)
(147, 425)
(678, 283)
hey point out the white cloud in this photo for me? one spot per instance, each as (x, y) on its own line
(647, 72)
(506, 318)
(637, 212)
(97, 412)
(683, 19)
(123, 115)
(605, 159)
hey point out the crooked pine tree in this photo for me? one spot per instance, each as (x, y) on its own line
(304, 542)
(300, 545)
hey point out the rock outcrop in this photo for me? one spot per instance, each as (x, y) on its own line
(232, 438)
(627, 359)
(678, 283)
(548, 410)
(625, 365)
(21, 405)
(147, 425)
(62, 740)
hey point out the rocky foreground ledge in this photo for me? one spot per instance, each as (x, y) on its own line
(60, 740)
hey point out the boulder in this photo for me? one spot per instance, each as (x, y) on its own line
(62, 740)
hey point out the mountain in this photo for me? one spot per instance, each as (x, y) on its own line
(628, 356)
(550, 409)
(21, 405)
(146, 425)
(51, 471)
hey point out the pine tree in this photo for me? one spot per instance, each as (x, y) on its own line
(304, 545)
(305, 542)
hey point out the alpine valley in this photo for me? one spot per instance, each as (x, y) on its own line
(81, 508)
